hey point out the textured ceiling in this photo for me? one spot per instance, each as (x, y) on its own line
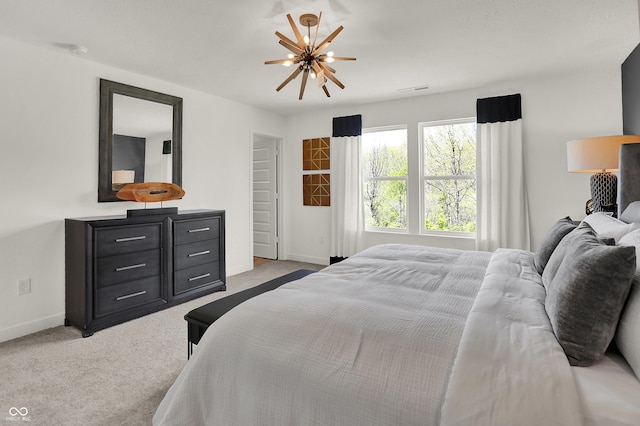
(219, 46)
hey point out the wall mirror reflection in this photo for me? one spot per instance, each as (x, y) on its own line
(140, 138)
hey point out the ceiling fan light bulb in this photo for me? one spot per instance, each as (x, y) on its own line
(312, 74)
(306, 40)
(287, 63)
(291, 56)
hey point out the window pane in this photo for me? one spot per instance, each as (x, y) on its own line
(450, 205)
(450, 150)
(449, 154)
(385, 203)
(384, 153)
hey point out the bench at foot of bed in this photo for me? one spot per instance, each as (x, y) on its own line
(199, 319)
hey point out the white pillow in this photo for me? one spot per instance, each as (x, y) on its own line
(607, 226)
(628, 333)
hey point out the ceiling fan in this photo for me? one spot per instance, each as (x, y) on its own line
(307, 56)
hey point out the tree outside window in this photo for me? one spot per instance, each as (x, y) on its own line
(385, 169)
(449, 158)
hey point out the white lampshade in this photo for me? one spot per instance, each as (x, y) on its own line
(596, 154)
(123, 176)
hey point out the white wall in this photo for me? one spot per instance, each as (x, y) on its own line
(555, 109)
(49, 170)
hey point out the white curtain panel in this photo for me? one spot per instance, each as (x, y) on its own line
(347, 208)
(503, 211)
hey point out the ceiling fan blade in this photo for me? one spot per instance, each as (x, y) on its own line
(286, 39)
(328, 68)
(292, 47)
(327, 40)
(317, 28)
(319, 73)
(297, 33)
(341, 58)
(282, 61)
(305, 75)
(326, 91)
(322, 80)
(293, 75)
(331, 77)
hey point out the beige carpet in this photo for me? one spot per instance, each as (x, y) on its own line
(118, 376)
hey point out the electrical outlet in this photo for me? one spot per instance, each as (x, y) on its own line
(24, 286)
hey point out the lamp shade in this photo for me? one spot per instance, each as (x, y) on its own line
(123, 176)
(596, 154)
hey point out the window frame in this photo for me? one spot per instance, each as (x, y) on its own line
(370, 228)
(423, 178)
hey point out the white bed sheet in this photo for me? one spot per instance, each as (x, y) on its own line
(609, 391)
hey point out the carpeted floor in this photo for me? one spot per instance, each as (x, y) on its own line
(118, 376)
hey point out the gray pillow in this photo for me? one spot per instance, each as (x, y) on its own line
(587, 283)
(554, 235)
(631, 213)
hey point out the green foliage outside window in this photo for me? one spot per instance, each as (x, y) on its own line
(385, 170)
(449, 177)
(450, 184)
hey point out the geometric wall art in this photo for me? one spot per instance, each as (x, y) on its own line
(315, 154)
(316, 189)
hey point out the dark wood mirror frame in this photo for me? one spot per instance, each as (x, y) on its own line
(107, 90)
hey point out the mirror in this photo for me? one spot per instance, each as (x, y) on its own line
(140, 138)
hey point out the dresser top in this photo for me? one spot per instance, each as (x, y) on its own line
(142, 217)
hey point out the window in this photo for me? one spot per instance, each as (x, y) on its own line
(449, 165)
(421, 180)
(385, 171)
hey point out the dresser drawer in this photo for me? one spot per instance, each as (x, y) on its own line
(188, 255)
(127, 239)
(128, 295)
(197, 276)
(189, 231)
(127, 267)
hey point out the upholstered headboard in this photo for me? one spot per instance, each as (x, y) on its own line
(629, 181)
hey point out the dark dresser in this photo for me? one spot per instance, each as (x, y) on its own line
(119, 268)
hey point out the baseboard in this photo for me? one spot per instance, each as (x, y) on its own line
(25, 328)
(238, 269)
(308, 259)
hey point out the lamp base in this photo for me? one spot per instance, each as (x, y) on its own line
(604, 188)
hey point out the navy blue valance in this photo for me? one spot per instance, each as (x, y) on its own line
(347, 126)
(500, 108)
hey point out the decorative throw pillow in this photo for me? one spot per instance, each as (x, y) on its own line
(631, 213)
(628, 334)
(608, 226)
(587, 283)
(554, 235)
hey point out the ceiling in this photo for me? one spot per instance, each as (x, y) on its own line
(219, 46)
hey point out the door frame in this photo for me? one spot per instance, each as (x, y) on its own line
(278, 140)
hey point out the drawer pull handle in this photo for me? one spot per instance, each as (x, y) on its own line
(199, 277)
(126, 268)
(124, 240)
(128, 296)
(200, 253)
(199, 230)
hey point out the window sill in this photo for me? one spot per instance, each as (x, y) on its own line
(436, 234)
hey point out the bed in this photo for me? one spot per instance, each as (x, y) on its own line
(413, 335)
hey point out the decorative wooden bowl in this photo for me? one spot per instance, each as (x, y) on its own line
(149, 192)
